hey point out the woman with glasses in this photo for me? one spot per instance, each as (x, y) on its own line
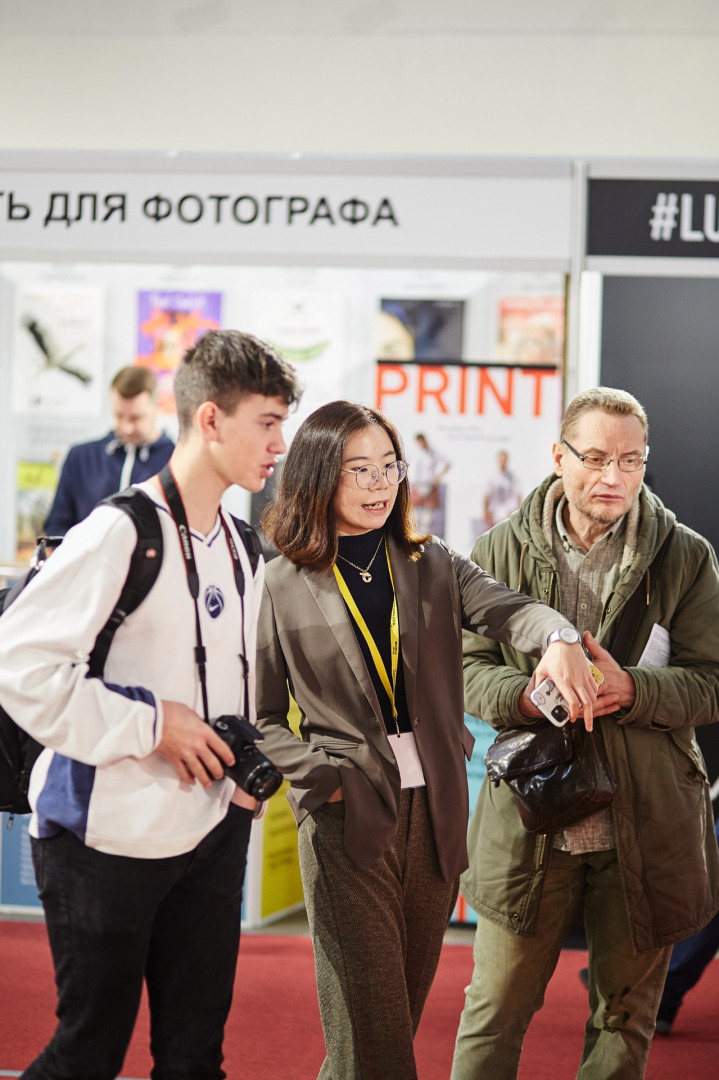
(361, 622)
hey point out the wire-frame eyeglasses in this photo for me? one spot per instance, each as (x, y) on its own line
(368, 475)
(600, 462)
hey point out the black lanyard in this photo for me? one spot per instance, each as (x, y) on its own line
(177, 512)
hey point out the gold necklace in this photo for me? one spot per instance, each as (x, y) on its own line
(364, 574)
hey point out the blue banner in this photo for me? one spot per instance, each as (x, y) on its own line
(17, 877)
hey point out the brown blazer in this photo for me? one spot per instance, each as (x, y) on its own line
(306, 640)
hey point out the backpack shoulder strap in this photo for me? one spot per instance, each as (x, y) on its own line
(40, 555)
(145, 564)
(251, 540)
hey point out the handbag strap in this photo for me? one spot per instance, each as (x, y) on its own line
(634, 609)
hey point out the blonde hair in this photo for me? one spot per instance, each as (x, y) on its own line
(607, 399)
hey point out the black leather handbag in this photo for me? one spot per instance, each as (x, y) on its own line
(559, 775)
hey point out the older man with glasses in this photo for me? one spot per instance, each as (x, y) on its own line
(646, 868)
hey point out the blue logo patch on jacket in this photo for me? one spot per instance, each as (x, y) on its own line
(214, 601)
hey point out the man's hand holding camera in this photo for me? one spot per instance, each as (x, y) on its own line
(223, 747)
(193, 749)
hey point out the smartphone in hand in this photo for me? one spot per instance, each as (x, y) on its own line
(550, 702)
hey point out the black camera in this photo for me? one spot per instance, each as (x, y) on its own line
(252, 771)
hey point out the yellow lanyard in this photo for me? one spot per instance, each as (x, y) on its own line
(390, 687)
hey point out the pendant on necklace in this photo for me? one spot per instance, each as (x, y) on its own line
(365, 575)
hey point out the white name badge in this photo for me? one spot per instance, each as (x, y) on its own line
(404, 749)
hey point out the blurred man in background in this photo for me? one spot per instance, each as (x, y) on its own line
(133, 451)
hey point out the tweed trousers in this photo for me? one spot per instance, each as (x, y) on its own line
(377, 936)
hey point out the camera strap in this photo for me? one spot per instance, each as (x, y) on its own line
(177, 512)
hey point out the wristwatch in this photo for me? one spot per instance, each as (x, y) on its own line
(567, 634)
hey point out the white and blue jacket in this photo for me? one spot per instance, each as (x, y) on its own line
(100, 776)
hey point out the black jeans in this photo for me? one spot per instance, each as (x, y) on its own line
(114, 921)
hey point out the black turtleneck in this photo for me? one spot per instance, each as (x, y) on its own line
(374, 600)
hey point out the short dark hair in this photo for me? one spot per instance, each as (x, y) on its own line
(301, 521)
(133, 380)
(225, 366)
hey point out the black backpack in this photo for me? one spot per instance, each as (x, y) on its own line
(18, 750)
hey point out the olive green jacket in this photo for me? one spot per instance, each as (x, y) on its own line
(662, 809)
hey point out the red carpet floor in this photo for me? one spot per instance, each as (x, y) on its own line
(274, 1030)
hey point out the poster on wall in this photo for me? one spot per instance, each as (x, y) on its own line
(281, 881)
(169, 323)
(309, 330)
(465, 427)
(410, 329)
(484, 735)
(58, 351)
(18, 891)
(530, 330)
(35, 487)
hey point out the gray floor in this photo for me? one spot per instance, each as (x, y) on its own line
(296, 923)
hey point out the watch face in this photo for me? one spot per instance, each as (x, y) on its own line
(567, 634)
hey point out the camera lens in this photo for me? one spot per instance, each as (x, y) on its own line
(559, 713)
(263, 781)
(254, 773)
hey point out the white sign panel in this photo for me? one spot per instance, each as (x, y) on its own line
(277, 215)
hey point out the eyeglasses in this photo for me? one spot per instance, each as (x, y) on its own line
(368, 475)
(600, 462)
